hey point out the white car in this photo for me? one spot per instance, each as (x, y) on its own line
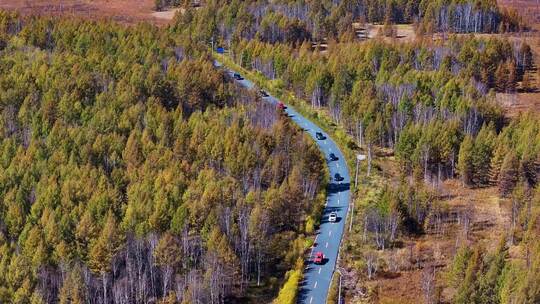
(332, 217)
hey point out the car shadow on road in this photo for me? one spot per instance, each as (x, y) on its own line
(325, 220)
(338, 187)
(329, 210)
(302, 295)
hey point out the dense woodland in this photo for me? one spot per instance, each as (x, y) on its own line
(385, 94)
(421, 100)
(292, 22)
(431, 102)
(132, 170)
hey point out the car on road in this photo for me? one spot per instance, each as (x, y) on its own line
(238, 76)
(263, 93)
(320, 136)
(281, 106)
(319, 258)
(332, 217)
(338, 177)
(333, 157)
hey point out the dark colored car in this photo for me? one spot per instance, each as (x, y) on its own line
(238, 76)
(338, 177)
(263, 93)
(319, 136)
(333, 157)
(319, 258)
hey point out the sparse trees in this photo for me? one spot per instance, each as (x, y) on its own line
(429, 285)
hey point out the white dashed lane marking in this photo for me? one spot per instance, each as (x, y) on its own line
(326, 246)
(330, 232)
(320, 270)
(310, 300)
(315, 286)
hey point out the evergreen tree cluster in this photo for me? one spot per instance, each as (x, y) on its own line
(479, 276)
(296, 21)
(132, 170)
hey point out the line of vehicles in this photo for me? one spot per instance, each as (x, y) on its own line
(318, 257)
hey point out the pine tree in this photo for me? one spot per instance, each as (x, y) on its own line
(508, 175)
(465, 161)
(483, 151)
(501, 77)
(73, 290)
(529, 167)
(488, 289)
(466, 292)
(104, 249)
(168, 256)
(496, 163)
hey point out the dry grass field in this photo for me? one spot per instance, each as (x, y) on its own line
(474, 216)
(125, 11)
(529, 9)
(403, 32)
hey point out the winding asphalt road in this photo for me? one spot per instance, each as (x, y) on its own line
(317, 278)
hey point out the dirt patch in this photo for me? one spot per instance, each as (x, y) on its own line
(490, 215)
(514, 104)
(529, 9)
(401, 32)
(124, 11)
(404, 289)
(168, 14)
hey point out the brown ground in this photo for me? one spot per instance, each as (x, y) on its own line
(403, 284)
(168, 14)
(529, 9)
(514, 104)
(125, 11)
(403, 32)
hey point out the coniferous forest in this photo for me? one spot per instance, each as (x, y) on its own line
(133, 170)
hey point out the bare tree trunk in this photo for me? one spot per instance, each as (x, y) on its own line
(428, 285)
(104, 280)
(369, 160)
(259, 258)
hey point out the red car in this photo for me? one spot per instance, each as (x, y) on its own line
(319, 257)
(281, 106)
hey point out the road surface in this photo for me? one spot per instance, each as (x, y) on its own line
(317, 278)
